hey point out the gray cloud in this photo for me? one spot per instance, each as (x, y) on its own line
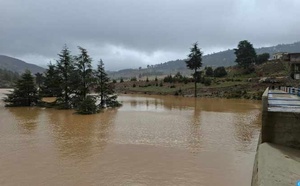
(132, 33)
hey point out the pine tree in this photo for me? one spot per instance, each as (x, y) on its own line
(39, 78)
(209, 72)
(85, 72)
(51, 86)
(194, 62)
(261, 58)
(25, 92)
(245, 54)
(87, 106)
(65, 68)
(104, 88)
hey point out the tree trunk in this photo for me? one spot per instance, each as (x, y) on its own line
(195, 79)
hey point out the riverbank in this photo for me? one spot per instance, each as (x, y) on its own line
(236, 84)
(220, 88)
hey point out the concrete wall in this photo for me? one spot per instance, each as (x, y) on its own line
(281, 128)
(265, 98)
(273, 165)
(276, 165)
(254, 180)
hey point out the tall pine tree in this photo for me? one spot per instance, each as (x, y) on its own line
(194, 62)
(65, 68)
(245, 54)
(84, 72)
(51, 86)
(104, 88)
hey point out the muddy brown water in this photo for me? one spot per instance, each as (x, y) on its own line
(150, 140)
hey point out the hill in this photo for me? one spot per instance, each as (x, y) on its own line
(223, 58)
(236, 84)
(227, 58)
(8, 78)
(19, 66)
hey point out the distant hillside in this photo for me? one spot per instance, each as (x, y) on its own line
(227, 58)
(223, 58)
(8, 78)
(17, 65)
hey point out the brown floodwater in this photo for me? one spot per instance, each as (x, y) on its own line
(150, 140)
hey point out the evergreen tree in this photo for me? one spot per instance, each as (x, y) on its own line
(25, 92)
(39, 78)
(65, 68)
(87, 106)
(51, 86)
(104, 88)
(220, 72)
(209, 72)
(194, 62)
(261, 58)
(84, 72)
(245, 54)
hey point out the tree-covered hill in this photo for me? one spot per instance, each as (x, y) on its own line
(7, 78)
(227, 58)
(224, 58)
(16, 65)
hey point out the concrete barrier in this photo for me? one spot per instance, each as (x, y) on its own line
(277, 161)
(265, 103)
(281, 128)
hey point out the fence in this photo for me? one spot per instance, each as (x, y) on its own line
(291, 90)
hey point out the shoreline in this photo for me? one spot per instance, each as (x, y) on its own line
(249, 91)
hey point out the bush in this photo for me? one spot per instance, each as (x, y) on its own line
(87, 106)
(112, 102)
(133, 79)
(207, 81)
(178, 92)
(220, 72)
(168, 79)
(209, 72)
(261, 58)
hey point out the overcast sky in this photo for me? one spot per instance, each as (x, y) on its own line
(133, 33)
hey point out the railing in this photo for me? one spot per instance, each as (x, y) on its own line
(291, 90)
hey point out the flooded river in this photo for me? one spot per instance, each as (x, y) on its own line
(150, 140)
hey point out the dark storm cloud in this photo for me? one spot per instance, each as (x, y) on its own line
(132, 33)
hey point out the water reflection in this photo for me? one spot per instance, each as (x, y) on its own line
(26, 117)
(196, 124)
(151, 102)
(77, 135)
(195, 129)
(245, 126)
